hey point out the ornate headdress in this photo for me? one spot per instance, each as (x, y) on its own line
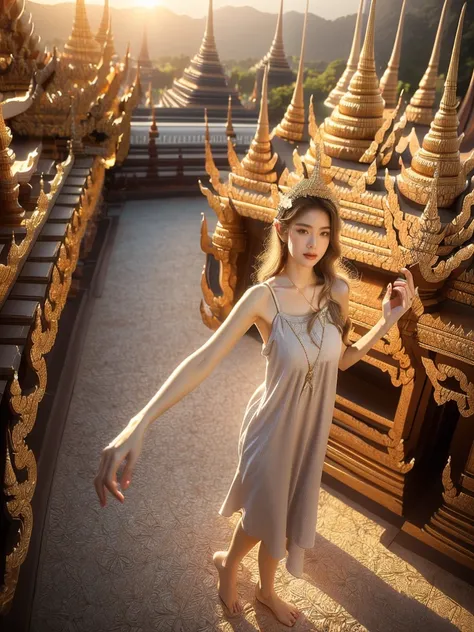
(312, 185)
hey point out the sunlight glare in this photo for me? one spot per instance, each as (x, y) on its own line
(148, 4)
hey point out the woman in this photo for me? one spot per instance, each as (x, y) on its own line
(287, 421)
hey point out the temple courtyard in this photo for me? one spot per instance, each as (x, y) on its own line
(147, 565)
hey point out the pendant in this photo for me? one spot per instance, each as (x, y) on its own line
(309, 378)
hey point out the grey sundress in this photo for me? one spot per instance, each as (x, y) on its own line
(283, 438)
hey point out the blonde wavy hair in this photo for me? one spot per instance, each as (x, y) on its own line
(332, 266)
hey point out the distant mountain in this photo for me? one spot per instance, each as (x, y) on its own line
(244, 32)
(241, 32)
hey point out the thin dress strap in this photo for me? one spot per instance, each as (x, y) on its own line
(273, 294)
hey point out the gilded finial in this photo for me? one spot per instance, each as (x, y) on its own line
(229, 130)
(343, 84)
(389, 80)
(102, 33)
(292, 126)
(420, 108)
(260, 159)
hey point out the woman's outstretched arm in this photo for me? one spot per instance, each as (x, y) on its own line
(186, 377)
(196, 367)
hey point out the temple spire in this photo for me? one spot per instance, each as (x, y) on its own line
(389, 80)
(277, 49)
(354, 122)
(101, 36)
(209, 42)
(81, 46)
(109, 49)
(204, 82)
(229, 129)
(440, 147)
(420, 108)
(144, 56)
(343, 84)
(280, 71)
(292, 127)
(260, 160)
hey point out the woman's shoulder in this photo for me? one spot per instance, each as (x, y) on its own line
(339, 287)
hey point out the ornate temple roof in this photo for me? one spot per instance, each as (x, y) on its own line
(204, 82)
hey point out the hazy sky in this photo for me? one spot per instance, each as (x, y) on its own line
(198, 8)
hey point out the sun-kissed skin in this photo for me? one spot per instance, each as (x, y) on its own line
(254, 307)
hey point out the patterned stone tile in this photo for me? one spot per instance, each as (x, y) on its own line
(146, 565)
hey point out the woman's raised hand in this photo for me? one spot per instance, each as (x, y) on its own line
(394, 306)
(125, 447)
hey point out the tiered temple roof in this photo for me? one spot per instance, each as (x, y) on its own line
(204, 82)
(280, 72)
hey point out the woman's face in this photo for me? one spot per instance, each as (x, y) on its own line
(309, 236)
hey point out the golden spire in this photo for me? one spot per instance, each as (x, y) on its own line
(208, 44)
(109, 50)
(260, 160)
(440, 147)
(352, 126)
(229, 130)
(292, 126)
(144, 56)
(204, 81)
(102, 33)
(389, 80)
(343, 84)
(420, 108)
(11, 212)
(276, 55)
(81, 46)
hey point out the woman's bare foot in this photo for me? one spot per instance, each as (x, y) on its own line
(227, 584)
(285, 612)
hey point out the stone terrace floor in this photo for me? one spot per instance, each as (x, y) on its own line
(146, 565)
